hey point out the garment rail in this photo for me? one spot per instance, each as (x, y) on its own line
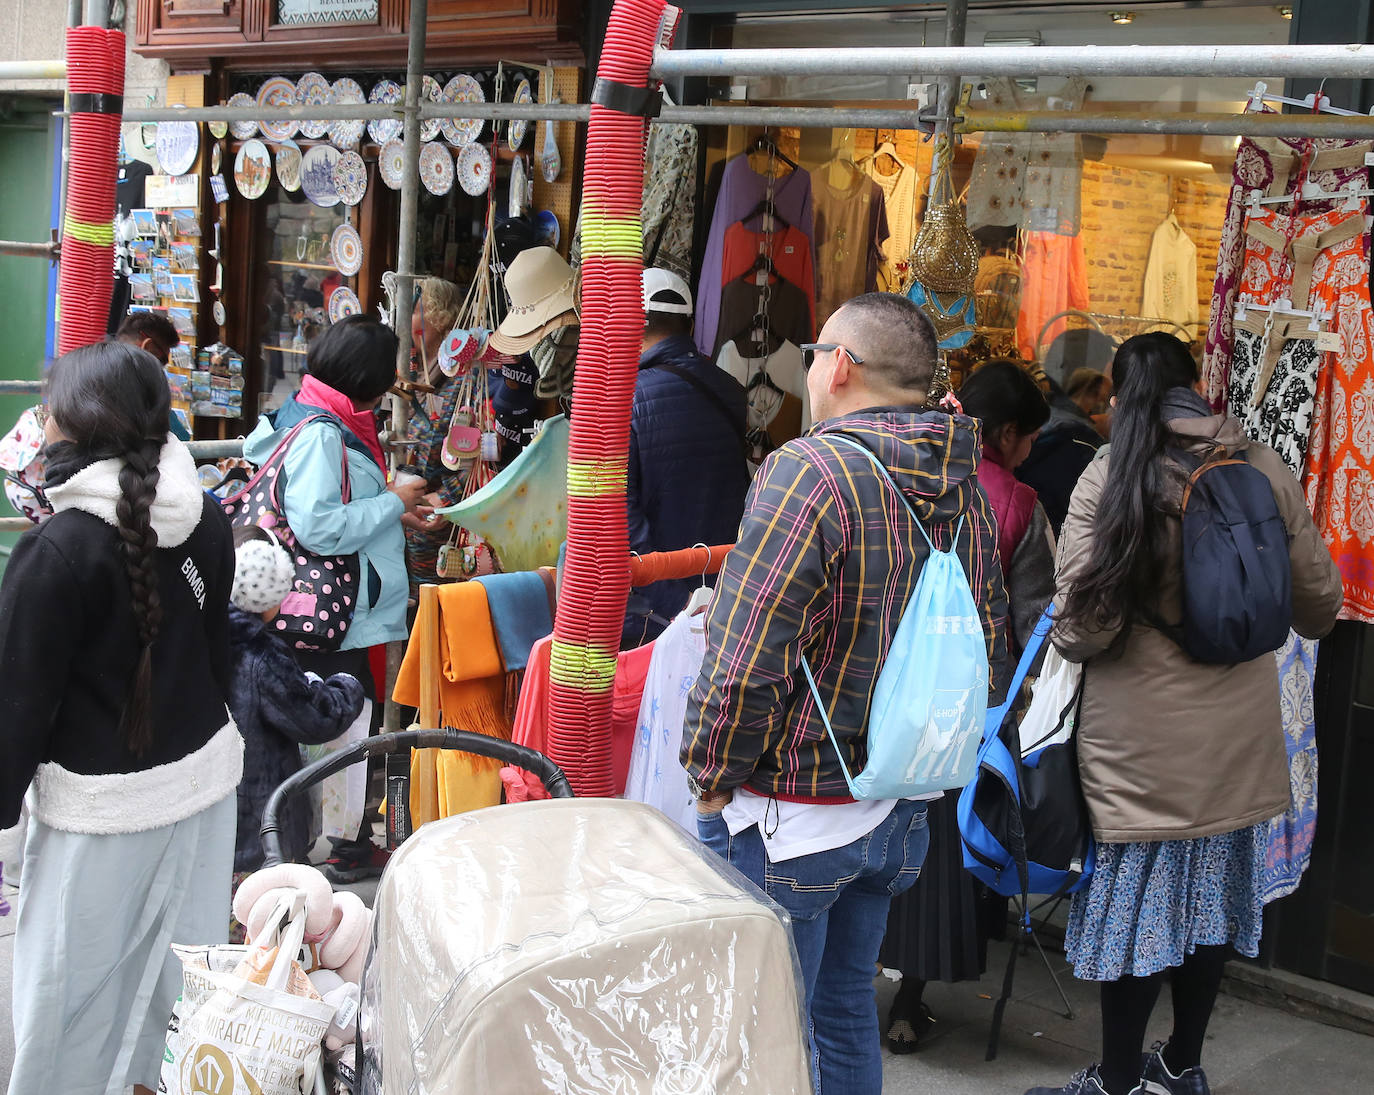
(686, 563)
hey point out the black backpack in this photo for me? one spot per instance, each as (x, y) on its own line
(1237, 583)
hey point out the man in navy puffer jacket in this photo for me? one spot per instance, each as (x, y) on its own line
(687, 472)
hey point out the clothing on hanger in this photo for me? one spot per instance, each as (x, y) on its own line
(851, 228)
(1271, 165)
(1054, 277)
(788, 313)
(741, 190)
(899, 203)
(788, 249)
(656, 776)
(1171, 276)
(1029, 180)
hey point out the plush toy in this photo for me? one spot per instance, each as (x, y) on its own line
(319, 897)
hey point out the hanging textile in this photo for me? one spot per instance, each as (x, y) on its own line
(1281, 377)
(850, 230)
(899, 203)
(1271, 165)
(786, 309)
(788, 249)
(656, 776)
(1029, 180)
(1171, 276)
(742, 189)
(1054, 277)
(1289, 848)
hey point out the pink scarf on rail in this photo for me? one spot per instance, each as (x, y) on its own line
(362, 422)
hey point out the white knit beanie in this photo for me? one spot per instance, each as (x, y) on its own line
(262, 576)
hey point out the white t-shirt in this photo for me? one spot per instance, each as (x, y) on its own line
(792, 829)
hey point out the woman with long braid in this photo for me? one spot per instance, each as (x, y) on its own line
(115, 657)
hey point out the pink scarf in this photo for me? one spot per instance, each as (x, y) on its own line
(363, 423)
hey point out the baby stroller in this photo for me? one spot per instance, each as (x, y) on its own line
(572, 945)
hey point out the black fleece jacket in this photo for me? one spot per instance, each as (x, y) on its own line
(278, 708)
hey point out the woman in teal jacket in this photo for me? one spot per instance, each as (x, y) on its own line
(350, 368)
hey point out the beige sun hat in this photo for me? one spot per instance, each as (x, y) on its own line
(542, 288)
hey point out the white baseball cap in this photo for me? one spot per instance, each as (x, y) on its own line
(664, 291)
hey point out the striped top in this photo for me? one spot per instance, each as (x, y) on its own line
(826, 561)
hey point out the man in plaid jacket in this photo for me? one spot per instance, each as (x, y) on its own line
(826, 561)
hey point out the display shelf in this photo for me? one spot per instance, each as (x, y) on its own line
(308, 266)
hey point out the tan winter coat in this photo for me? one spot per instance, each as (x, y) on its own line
(1170, 748)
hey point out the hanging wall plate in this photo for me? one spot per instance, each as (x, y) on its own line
(289, 166)
(391, 163)
(462, 89)
(343, 302)
(317, 175)
(350, 177)
(474, 169)
(436, 168)
(252, 169)
(177, 145)
(219, 130)
(346, 247)
(217, 311)
(312, 89)
(242, 131)
(515, 134)
(382, 130)
(431, 91)
(275, 93)
(347, 132)
(216, 159)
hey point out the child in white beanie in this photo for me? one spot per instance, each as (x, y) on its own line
(277, 706)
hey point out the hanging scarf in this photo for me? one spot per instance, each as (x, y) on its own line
(362, 423)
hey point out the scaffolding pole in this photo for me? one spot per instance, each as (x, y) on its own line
(33, 70)
(1354, 61)
(1351, 127)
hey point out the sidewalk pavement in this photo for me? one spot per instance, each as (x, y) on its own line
(1251, 1049)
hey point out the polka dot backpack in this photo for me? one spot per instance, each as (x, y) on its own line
(316, 613)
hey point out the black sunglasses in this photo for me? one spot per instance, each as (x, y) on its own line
(809, 350)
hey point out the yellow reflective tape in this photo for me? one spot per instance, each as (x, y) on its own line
(612, 237)
(581, 667)
(97, 235)
(595, 480)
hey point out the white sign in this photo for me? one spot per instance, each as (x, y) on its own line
(314, 12)
(166, 191)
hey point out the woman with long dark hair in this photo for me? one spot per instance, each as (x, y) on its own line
(115, 656)
(1182, 763)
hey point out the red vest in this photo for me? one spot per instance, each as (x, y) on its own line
(1012, 501)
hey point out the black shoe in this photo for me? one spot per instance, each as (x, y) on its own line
(354, 861)
(1087, 1082)
(1156, 1079)
(905, 1032)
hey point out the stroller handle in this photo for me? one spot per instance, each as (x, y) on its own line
(384, 744)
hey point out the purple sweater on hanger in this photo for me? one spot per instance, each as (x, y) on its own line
(741, 189)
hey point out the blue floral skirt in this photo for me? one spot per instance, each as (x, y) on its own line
(1150, 905)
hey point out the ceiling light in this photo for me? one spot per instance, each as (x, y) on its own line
(1285, 11)
(1121, 18)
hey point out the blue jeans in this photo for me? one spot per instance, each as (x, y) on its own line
(838, 901)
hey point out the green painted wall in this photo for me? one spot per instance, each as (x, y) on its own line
(26, 187)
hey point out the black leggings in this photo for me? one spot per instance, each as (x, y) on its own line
(1126, 1008)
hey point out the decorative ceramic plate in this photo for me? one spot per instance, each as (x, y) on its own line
(546, 224)
(347, 132)
(391, 163)
(289, 165)
(515, 134)
(277, 92)
(242, 131)
(216, 159)
(462, 89)
(432, 92)
(317, 175)
(436, 168)
(343, 302)
(177, 145)
(347, 249)
(474, 169)
(252, 168)
(382, 130)
(219, 130)
(350, 178)
(217, 310)
(312, 89)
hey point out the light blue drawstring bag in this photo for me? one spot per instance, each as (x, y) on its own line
(931, 698)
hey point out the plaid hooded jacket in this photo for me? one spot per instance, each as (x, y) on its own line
(826, 561)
